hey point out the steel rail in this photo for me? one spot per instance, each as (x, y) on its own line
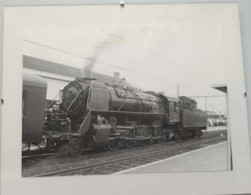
(77, 169)
(205, 135)
(36, 156)
(34, 161)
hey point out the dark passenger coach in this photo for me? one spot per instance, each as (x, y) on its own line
(34, 98)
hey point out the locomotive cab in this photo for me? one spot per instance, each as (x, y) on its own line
(172, 108)
(173, 105)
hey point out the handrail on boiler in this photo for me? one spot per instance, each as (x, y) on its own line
(52, 102)
(75, 99)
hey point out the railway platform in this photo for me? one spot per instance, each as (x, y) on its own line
(216, 128)
(211, 158)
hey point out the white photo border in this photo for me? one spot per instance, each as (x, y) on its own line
(236, 181)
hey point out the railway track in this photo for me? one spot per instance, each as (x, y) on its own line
(112, 166)
(36, 156)
(51, 158)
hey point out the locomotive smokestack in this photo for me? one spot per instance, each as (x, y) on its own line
(86, 72)
(116, 77)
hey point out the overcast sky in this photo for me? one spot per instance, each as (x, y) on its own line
(154, 49)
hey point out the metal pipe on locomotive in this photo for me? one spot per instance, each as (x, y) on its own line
(92, 114)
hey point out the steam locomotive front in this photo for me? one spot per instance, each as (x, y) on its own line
(75, 95)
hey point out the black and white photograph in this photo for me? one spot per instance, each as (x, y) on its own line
(127, 97)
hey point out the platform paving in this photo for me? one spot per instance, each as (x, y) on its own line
(216, 128)
(211, 158)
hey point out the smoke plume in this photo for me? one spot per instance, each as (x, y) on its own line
(86, 72)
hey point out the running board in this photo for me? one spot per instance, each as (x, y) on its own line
(137, 138)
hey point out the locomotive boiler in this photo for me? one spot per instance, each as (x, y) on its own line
(97, 115)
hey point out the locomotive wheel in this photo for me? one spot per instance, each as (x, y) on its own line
(75, 147)
(113, 145)
(164, 136)
(150, 141)
(183, 135)
(199, 133)
(53, 146)
(192, 134)
(130, 144)
(187, 134)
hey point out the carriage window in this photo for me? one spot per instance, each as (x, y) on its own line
(25, 93)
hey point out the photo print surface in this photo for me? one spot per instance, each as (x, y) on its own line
(135, 89)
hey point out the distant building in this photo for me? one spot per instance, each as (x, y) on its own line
(213, 115)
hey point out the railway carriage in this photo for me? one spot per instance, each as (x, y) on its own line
(33, 106)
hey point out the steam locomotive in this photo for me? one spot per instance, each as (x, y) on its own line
(92, 114)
